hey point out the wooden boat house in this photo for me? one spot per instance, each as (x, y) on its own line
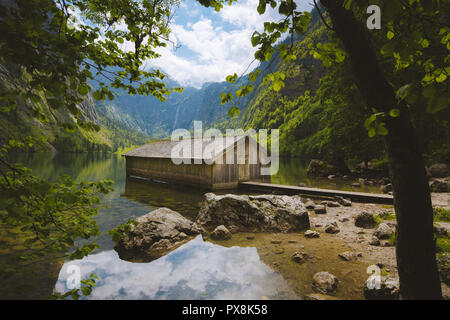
(215, 163)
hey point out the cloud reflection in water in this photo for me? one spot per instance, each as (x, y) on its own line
(196, 270)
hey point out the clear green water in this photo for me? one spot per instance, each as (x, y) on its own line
(197, 270)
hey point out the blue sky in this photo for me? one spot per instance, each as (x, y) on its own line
(213, 44)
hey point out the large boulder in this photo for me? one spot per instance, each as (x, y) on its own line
(264, 213)
(438, 170)
(318, 168)
(325, 283)
(156, 234)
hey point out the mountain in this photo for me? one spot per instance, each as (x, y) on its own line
(20, 121)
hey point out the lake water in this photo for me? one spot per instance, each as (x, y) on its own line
(197, 270)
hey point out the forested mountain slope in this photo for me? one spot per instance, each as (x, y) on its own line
(318, 111)
(59, 127)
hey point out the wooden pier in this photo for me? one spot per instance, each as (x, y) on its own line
(292, 190)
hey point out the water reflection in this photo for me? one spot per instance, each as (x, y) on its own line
(196, 270)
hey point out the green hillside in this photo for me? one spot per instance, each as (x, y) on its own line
(58, 127)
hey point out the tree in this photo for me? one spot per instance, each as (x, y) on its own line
(59, 47)
(415, 249)
(418, 39)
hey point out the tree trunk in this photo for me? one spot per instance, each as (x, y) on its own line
(415, 248)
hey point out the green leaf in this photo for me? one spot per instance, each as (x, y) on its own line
(261, 7)
(403, 91)
(83, 90)
(390, 35)
(233, 111)
(232, 78)
(394, 113)
(381, 130)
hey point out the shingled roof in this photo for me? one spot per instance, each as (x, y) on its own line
(163, 148)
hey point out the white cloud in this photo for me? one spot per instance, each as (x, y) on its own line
(220, 44)
(191, 270)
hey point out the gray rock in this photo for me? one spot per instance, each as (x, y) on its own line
(156, 234)
(264, 213)
(343, 219)
(302, 184)
(365, 220)
(310, 204)
(332, 227)
(325, 283)
(386, 188)
(440, 230)
(320, 209)
(342, 201)
(356, 185)
(311, 234)
(349, 255)
(439, 186)
(333, 204)
(331, 177)
(300, 257)
(443, 264)
(221, 233)
(383, 231)
(386, 288)
(438, 170)
(375, 241)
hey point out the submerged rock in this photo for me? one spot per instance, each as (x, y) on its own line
(312, 234)
(156, 234)
(221, 233)
(332, 227)
(349, 256)
(299, 257)
(319, 297)
(325, 283)
(264, 213)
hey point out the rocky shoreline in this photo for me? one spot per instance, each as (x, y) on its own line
(365, 232)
